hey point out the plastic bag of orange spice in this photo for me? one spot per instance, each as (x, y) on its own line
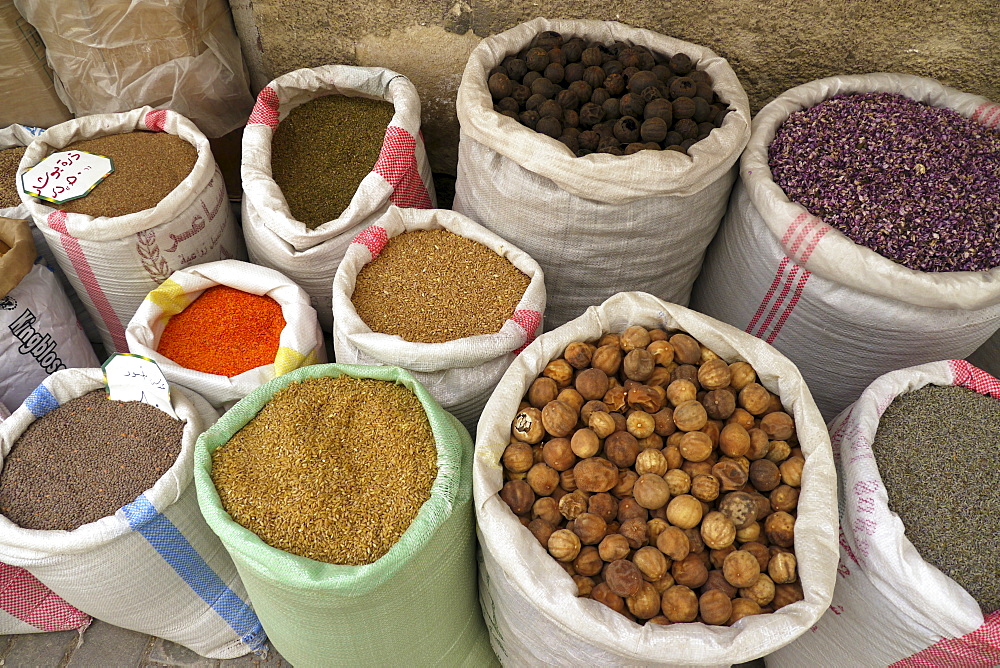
(665, 523)
(225, 328)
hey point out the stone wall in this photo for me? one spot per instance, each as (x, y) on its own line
(771, 45)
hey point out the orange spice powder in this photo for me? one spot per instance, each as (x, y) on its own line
(224, 331)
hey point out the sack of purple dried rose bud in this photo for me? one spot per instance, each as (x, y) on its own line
(856, 242)
(541, 611)
(625, 142)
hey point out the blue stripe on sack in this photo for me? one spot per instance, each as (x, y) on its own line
(175, 549)
(41, 401)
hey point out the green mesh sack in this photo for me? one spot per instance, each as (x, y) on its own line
(417, 605)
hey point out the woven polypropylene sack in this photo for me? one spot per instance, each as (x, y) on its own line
(843, 313)
(891, 607)
(300, 342)
(988, 355)
(459, 374)
(39, 332)
(114, 262)
(401, 176)
(531, 604)
(154, 566)
(599, 224)
(28, 606)
(109, 56)
(416, 604)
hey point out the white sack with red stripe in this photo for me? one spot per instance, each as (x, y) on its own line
(401, 176)
(890, 607)
(601, 223)
(988, 355)
(843, 313)
(460, 374)
(300, 343)
(113, 262)
(530, 603)
(28, 606)
(154, 566)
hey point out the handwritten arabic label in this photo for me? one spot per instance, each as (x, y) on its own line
(130, 377)
(66, 176)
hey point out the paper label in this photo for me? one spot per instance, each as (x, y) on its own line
(130, 377)
(66, 176)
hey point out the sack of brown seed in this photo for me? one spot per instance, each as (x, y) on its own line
(378, 158)
(916, 456)
(843, 312)
(494, 319)
(531, 603)
(113, 261)
(39, 333)
(648, 216)
(153, 566)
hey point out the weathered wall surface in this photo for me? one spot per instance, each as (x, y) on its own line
(772, 45)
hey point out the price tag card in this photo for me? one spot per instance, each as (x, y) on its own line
(130, 377)
(66, 176)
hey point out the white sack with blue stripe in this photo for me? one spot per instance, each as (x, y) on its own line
(154, 566)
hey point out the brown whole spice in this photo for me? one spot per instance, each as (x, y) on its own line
(432, 286)
(9, 160)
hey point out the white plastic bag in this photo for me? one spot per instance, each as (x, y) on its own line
(890, 606)
(114, 55)
(154, 566)
(401, 176)
(39, 333)
(113, 262)
(843, 313)
(462, 373)
(300, 343)
(601, 223)
(530, 603)
(988, 355)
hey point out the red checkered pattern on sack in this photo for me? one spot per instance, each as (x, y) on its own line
(397, 164)
(979, 648)
(988, 114)
(24, 597)
(529, 321)
(265, 110)
(156, 120)
(374, 238)
(974, 378)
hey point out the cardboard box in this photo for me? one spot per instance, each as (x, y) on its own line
(26, 88)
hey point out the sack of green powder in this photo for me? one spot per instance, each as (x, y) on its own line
(154, 566)
(28, 606)
(460, 373)
(416, 603)
(988, 355)
(39, 333)
(648, 217)
(300, 342)
(399, 173)
(113, 262)
(846, 314)
(892, 606)
(532, 608)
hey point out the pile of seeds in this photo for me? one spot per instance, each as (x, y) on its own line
(912, 182)
(323, 149)
(86, 459)
(431, 286)
(664, 480)
(609, 98)
(224, 331)
(10, 158)
(148, 166)
(938, 451)
(333, 469)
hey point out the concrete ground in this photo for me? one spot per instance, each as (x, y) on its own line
(110, 646)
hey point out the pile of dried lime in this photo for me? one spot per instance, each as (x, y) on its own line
(333, 469)
(323, 149)
(432, 286)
